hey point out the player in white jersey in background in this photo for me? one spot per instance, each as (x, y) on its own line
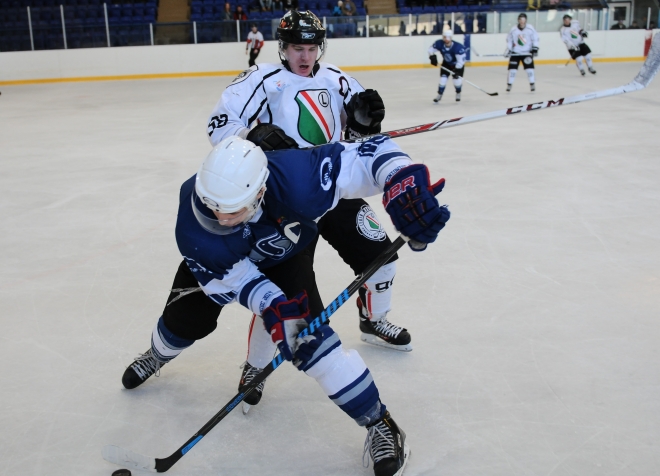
(302, 102)
(453, 58)
(255, 41)
(572, 36)
(522, 45)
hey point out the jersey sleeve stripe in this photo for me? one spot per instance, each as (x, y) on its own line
(383, 159)
(257, 88)
(258, 111)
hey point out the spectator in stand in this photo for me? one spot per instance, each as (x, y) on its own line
(634, 25)
(290, 5)
(239, 14)
(618, 25)
(402, 29)
(266, 5)
(349, 8)
(337, 11)
(227, 13)
(278, 5)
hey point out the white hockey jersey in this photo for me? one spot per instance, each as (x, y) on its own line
(309, 109)
(255, 40)
(570, 35)
(521, 42)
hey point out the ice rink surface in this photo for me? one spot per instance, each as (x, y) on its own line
(534, 316)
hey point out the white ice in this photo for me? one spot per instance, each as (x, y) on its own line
(535, 316)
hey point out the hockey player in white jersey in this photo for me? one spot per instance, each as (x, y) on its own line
(313, 103)
(573, 37)
(453, 58)
(243, 224)
(522, 46)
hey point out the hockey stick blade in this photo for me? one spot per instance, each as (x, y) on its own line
(130, 459)
(643, 79)
(121, 457)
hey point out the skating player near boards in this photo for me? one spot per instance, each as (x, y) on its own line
(313, 103)
(573, 37)
(522, 46)
(453, 58)
(243, 224)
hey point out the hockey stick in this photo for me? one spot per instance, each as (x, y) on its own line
(471, 84)
(475, 52)
(643, 79)
(130, 459)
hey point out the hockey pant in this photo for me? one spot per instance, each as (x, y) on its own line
(528, 64)
(583, 51)
(190, 315)
(444, 75)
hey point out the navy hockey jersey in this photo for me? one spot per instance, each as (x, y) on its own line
(452, 56)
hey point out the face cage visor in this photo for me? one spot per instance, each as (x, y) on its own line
(210, 223)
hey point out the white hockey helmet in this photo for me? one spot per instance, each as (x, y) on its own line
(448, 34)
(230, 179)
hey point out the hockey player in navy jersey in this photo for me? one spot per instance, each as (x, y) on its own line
(313, 103)
(243, 224)
(453, 58)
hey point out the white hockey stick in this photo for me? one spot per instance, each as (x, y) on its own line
(643, 79)
(471, 84)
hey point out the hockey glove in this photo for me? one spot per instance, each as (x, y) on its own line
(507, 53)
(271, 137)
(309, 345)
(284, 320)
(434, 60)
(409, 198)
(365, 111)
(583, 34)
(535, 50)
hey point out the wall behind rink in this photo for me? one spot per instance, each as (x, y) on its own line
(225, 59)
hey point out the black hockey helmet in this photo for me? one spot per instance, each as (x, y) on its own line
(301, 28)
(522, 15)
(567, 16)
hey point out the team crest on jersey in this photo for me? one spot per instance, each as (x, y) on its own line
(574, 34)
(521, 40)
(368, 224)
(316, 121)
(280, 85)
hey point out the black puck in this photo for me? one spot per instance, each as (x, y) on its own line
(122, 472)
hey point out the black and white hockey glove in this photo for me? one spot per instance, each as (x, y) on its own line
(434, 60)
(507, 53)
(583, 34)
(284, 320)
(271, 137)
(365, 111)
(535, 51)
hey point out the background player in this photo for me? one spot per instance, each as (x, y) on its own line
(243, 223)
(572, 35)
(453, 58)
(255, 41)
(313, 103)
(522, 45)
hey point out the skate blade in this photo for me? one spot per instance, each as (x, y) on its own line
(372, 339)
(246, 408)
(406, 457)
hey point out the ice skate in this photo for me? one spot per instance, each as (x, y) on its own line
(532, 87)
(383, 333)
(387, 448)
(582, 72)
(141, 369)
(437, 98)
(592, 71)
(458, 97)
(249, 373)
(508, 87)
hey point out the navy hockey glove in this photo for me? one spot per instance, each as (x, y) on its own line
(284, 320)
(535, 51)
(583, 34)
(271, 137)
(434, 60)
(309, 345)
(365, 111)
(410, 200)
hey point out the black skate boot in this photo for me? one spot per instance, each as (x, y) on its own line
(592, 71)
(382, 332)
(249, 373)
(387, 448)
(508, 87)
(141, 369)
(532, 87)
(437, 98)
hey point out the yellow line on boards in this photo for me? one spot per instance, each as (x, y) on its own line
(234, 73)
